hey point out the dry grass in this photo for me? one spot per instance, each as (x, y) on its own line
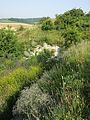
(79, 53)
(15, 26)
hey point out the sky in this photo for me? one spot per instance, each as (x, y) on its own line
(39, 8)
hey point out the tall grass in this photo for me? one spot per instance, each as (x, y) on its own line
(38, 37)
(69, 84)
(79, 53)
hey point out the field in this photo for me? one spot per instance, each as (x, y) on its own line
(20, 20)
(15, 26)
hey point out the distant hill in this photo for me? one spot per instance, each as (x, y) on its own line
(6, 21)
(20, 20)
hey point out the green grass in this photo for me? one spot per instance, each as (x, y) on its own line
(69, 84)
(79, 53)
(37, 36)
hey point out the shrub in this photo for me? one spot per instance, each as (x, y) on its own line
(72, 37)
(47, 24)
(44, 56)
(43, 59)
(7, 64)
(9, 46)
(43, 19)
(30, 62)
(32, 104)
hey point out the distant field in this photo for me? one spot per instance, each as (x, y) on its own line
(20, 20)
(16, 25)
(6, 21)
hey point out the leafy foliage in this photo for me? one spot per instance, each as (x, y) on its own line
(32, 104)
(9, 47)
(72, 37)
(69, 18)
(47, 24)
(44, 56)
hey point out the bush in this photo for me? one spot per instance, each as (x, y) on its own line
(47, 24)
(72, 36)
(9, 46)
(30, 62)
(44, 56)
(32, 104)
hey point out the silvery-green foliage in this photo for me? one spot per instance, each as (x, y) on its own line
(32, 104)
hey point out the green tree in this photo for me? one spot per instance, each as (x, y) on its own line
(74, 13)
(68, 19)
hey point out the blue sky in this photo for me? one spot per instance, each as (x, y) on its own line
(39, 8)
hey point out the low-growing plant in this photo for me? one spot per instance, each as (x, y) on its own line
(32, 104)
(44, 56)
